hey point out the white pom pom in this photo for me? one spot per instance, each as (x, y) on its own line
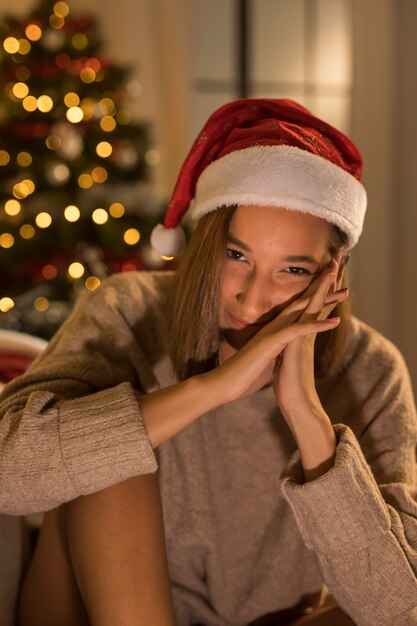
(168, 241)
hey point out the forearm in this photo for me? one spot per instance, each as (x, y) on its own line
(167, 411)
(315, 439)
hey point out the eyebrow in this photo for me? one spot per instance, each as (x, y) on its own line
(300, 258)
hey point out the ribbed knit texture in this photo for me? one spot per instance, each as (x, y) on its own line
(245, 535)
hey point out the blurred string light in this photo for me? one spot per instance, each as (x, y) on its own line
(43, 220)
(56, 21)
(41, 304)
(6, 304)
(24, 159)
(75, 114)
(33, 32)
(85, 181)
(27, 231)
(30, 103)
(108, 123)
(12, 207)
(131, 236)
(100, 216)
(106, 106)
(99, 174)
(104, 149)
(72, 213)
(24, 46)
(23, 189)
(20, 90)
(79, 41)
(53, 142)
(49, 271)
(4, 157)
(11, 45)
(61, 9)
(87, 75)
(6, 240)
(45, 104)
(117, 210)
(76, 270)
(92, 283)
(72, 99)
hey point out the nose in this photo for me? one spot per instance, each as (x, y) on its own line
(254, 297)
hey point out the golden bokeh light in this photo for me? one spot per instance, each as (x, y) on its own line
(23, 189)
(4, 157)
(75, 115)
(43, 220)
(124, 117)
(6, 240)
(80, 41)
(131, 236)
(107, 106)
(27, 231)
(87, 106)
(11, 45)
(117, 210)
(6, 304)
(87, 75)
(45, 104)
(100, 216)
(92, 283)
(33, 32)
(41, 304)
(53, 142)
(30, 103)
(49, 271)
(24, 159)
(99, 174)
(76, 270)
(85, 181)
(61, 9)
(24, 46)
(72, 99)
(107, 123)
(104, 149)
(20, 90)
(72, 213)
(56, 21)
(12, 207)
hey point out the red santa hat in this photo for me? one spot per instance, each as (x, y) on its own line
(267, 152)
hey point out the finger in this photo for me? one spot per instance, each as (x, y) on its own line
(324, 286)
(302, 329)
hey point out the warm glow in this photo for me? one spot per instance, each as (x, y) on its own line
(87, 106)
(108, 123)
(43, 220)
(6, 304)
(20, 90)
(87, 75)
(131, 236)
(24, 159)
(117, 210)
(6, 240)
(41, 304)
(92, 283)
(61, 9)
(45, 104)
(61, 172)
(30, 103)
(104, 149)
(27, 231)
(56, 22)
(23, 189)
(72, 213)
(24, 46)
(99, 174)
(11, 45)
(33, 32)
(72, 99)
(76, 270)
(107, 106)
(100, 216)
(12, 207)
(80, 41)
(53, 142)
(85, 181)
(167, 258)
(4, 157)
(75, 115)
(49, 272)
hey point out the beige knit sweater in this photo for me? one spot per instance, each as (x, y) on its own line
(245, 536)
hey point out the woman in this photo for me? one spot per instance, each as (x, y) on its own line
(276, 474)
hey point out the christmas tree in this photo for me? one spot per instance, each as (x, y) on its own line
(74, 203)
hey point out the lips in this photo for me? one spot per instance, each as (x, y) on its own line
(239, 323)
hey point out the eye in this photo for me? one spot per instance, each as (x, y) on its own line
(235, 255)
(298, 271)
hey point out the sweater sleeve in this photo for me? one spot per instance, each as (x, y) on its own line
(360, 518)
(72, 425)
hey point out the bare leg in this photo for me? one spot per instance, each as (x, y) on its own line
(115, 560)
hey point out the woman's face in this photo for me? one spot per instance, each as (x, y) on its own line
(273, 254)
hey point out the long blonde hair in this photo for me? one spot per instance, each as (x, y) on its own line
(194, 302)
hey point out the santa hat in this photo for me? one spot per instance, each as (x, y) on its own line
(267, 152)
